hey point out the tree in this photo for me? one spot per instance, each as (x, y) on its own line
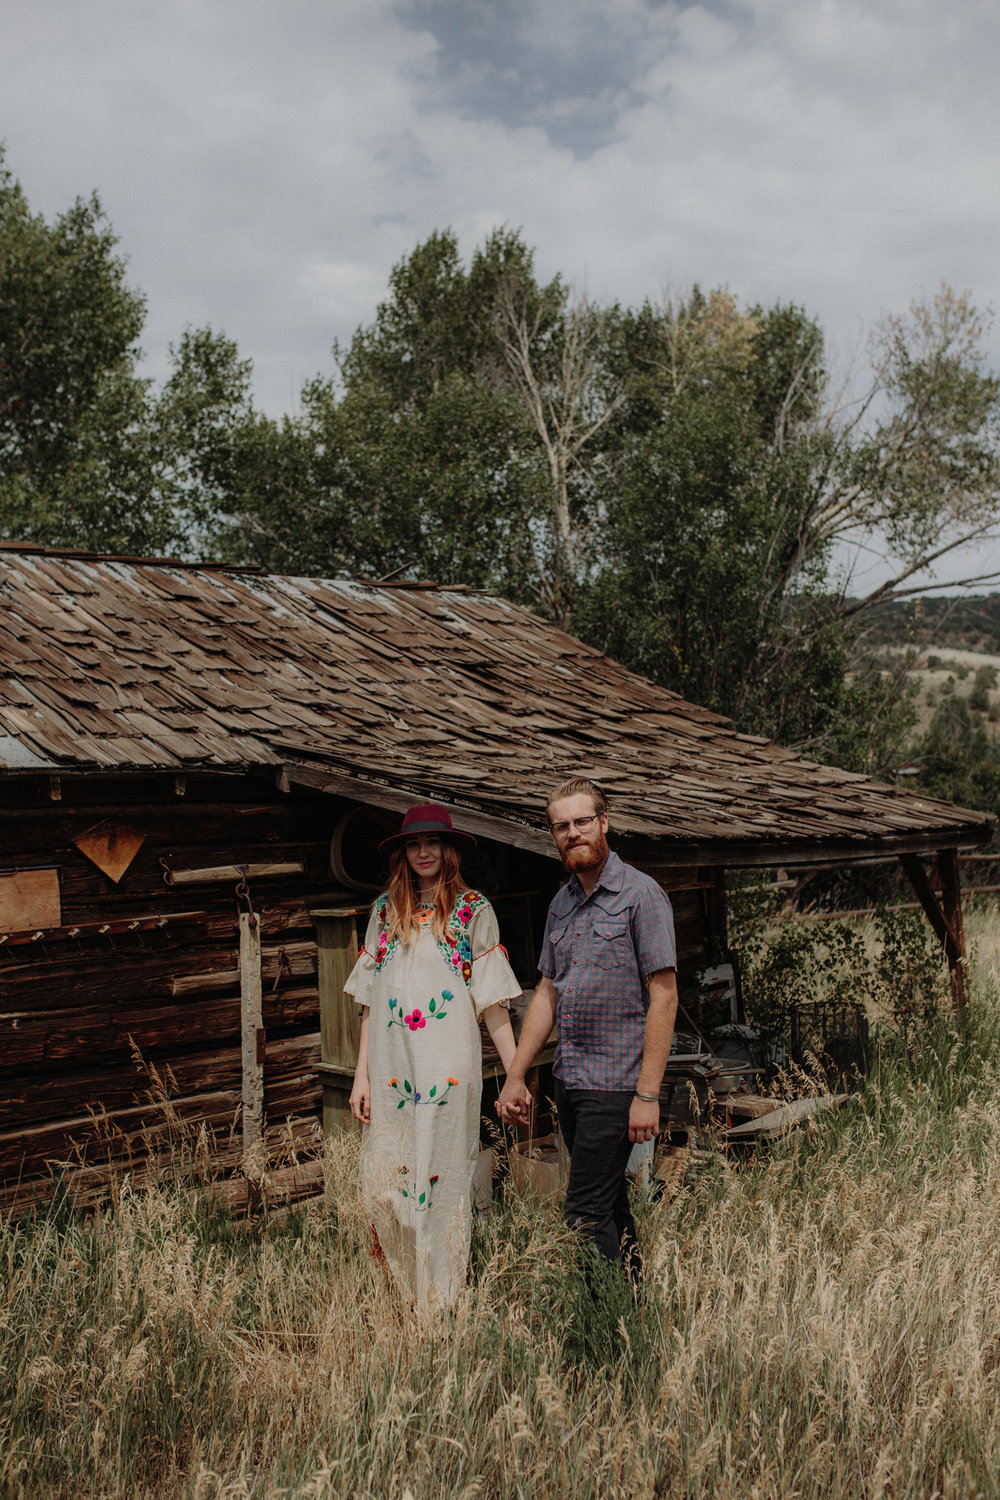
(924, 479)
(741, 476)
(77, 466)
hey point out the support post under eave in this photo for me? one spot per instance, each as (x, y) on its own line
(945, 916)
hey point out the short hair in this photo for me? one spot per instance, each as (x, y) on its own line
(579, 786)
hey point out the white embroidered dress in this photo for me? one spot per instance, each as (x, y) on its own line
(421, 1147)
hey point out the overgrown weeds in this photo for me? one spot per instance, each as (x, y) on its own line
(819, 1321)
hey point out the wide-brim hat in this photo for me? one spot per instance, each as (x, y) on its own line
(429, 817)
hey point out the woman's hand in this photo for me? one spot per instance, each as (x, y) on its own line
(361, 1093)
(361, 1098)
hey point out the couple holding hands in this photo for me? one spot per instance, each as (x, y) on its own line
(432, 966)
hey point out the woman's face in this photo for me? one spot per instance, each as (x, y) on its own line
(423, 855)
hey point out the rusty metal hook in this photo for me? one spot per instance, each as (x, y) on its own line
(243, 895)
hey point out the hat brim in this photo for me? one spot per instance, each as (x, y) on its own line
(464, 841)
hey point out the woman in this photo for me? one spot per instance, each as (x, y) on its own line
(431, 966)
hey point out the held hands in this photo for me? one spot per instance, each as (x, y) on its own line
(361, 1099)
(643, 1121)
(514, 1102)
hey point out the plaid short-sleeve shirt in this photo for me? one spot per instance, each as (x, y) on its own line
(598, 950)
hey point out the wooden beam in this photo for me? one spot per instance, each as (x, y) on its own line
(653, 854)
(215, 873)
(503, 830)
(942, 920)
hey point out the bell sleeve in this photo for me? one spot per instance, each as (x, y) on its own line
(493, 980)
(358, 983)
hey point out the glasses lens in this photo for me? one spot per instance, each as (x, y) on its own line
(580, 824)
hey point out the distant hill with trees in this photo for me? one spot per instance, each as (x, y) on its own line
(967, 622)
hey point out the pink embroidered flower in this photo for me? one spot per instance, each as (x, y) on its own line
(414, 1020)
(464, 913)
(456, 959)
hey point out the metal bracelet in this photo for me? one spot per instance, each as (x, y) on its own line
(647, 1098)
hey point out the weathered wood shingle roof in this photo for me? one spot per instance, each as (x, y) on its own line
(111, 665)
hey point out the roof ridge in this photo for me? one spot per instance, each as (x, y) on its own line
(84, 554)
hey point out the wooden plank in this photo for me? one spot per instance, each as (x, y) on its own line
(786, 1115)
(30, 899)
(217, 873)
(252, 1027)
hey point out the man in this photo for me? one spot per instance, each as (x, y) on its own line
(608, 967)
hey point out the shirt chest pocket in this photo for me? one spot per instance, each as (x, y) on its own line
(611, 942)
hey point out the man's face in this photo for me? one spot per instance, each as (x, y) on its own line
(579, 848)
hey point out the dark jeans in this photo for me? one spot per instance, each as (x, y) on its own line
(594, 1125)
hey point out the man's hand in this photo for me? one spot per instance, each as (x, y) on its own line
(643, 1121)
(515, 1101)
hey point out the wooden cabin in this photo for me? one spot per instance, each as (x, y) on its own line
(196, 763)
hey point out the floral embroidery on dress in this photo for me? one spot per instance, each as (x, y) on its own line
(385, 949)
(420, 1204)
(455, 943)
(409, 1095)
(437, 1010)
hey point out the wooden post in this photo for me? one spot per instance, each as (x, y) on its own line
(251, 1018)
(337, 953)
(945, 916)
(951, 901)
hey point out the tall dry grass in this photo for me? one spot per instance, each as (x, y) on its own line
(822, 1321)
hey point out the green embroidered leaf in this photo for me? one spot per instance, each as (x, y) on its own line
(407, 1085)
(422, 1197)
(432, 1007)
(434, 1089)
(401, 1104)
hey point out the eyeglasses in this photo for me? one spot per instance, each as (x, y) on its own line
(582, 825)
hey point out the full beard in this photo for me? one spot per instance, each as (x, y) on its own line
(589, 856)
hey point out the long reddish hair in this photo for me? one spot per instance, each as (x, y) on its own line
(401, 908)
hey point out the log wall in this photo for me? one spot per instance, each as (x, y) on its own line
(124, 1020)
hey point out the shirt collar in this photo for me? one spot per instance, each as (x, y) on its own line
(611, 878)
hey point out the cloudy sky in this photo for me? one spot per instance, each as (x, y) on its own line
(266, 162)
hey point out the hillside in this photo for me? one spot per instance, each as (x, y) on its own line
(968, 622)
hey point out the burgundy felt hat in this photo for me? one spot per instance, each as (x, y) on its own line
(429, 817)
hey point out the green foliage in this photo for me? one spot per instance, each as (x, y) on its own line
(890, 965)
(959, 762)
(77, 466)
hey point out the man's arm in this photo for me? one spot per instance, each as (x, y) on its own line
(515, 1100)
(643, 1116)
